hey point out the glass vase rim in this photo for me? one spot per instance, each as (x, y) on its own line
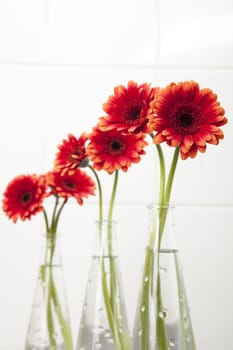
(160, 206)
(50, 235)
(105, 221)
(204, 205)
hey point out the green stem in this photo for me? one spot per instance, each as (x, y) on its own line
(161, 331)
(46, 273)
(110, 249)
(111, 317)
(147, 294)
(148, 277)
(52, 298)
(167, 194)
(45, 278)
(65, 328)
(56, 218)
(120, 338)
(52, 231)
(46, 220)
(162, 175)
(171, 176)
(163, 201)
(50, 315)
(54, 215)
(107, 298)
(113, 275)
(113, 196)
(110, 252)
(161, 327)
(100, 193)
(161, 191)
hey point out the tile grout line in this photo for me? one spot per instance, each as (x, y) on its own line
(70, 65)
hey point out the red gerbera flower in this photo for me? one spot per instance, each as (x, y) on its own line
(127, 109)
(112, 150)
(78, 184)
(23, 197)
(185, 115)
(71, 153)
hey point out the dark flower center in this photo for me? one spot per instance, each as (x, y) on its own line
(115, 146)
(69, 184)
(186, 119)
(133, 113)
(25, 198)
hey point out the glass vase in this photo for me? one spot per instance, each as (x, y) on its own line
(104, 323)
(49, 326)
(162, 320)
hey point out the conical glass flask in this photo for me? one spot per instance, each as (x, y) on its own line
(162, 320)
(104, 322)
(49, 327)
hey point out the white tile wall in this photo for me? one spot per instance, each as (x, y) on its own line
(59, 61)
(105, 32)
(197, 33)
(23, 30)
(22, 116)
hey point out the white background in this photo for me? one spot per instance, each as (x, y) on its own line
(59, 62)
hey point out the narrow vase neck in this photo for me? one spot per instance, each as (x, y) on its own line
(161, 228)
(51, 250)
(105, 238)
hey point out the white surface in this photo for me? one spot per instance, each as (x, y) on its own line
(59, 61)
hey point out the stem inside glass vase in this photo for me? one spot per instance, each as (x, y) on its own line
(156, 328)
(112, 293)
(104, 321)
(51, 296)
(163, 319)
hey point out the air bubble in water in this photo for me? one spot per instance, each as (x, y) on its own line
(163, 313)
(55, 335)
(140, 332)
(98, 330)
(172, 343)
(143, 308)
(107, 334)
(98, 345)
(188, 338)
(163, 269)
